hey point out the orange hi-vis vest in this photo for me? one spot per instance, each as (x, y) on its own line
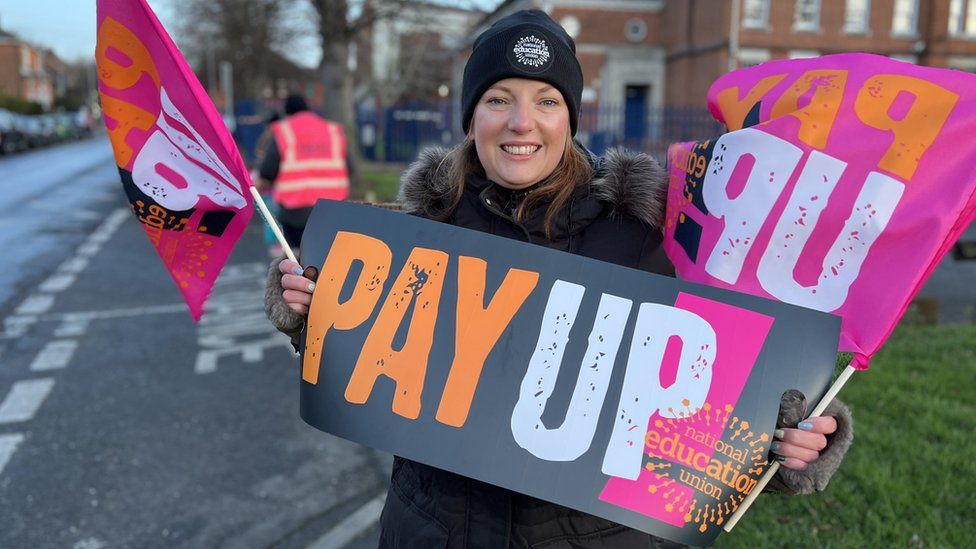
(313, 161)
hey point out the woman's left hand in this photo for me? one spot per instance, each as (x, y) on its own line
(796, 448)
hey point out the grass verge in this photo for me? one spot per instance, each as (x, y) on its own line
(910, 478)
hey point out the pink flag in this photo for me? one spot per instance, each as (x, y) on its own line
(841, 184)
(185, 180)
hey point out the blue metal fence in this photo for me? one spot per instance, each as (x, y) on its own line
(399, 133)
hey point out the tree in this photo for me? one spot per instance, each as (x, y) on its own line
(248, 33)
(340, 24)
(337, 30)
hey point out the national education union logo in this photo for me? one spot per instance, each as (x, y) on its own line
(531, 51)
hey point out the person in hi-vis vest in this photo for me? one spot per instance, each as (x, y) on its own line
(305, 161)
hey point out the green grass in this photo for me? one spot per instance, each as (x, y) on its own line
(910, 478)
(381, 179)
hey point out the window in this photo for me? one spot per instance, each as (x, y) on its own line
(636, 29)
(962, 18)
(806, 16)
(755, 14)
(749, 57)
(802, 54)
(907, 58)
(857, 16)
(905, 20)
(962, 63)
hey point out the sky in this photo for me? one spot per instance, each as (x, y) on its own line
(68, 26)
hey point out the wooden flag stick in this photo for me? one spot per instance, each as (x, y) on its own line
(269, 219)
(819, 409)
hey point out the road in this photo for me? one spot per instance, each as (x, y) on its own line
(124, 424)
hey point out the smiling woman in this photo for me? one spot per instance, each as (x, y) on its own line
(521, 131)
(520, 174)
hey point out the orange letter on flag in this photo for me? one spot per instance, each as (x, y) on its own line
(817, 117)
(114, 35)
(917, 129)
(734, 110)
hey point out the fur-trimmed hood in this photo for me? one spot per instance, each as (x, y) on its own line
(631, 184)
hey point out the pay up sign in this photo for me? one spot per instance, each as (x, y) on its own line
(636, 397)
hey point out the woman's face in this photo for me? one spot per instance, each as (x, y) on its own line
(520, 129)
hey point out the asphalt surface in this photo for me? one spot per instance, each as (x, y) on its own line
(123, 423)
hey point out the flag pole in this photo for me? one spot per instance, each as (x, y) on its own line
(819, 409)
(269, 219)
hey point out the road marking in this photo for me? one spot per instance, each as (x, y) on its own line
(234, 321)
(89, 248)
(35, 304)
(251, 352)
(353, 525)
(8, 445)
(88, 316)
(55, 355)
(57, 283)
(74, 265)
(23, 400)
(90, 543)
(16, 326)
(86, 215)
(72, 328)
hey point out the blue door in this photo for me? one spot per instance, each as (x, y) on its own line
(635, 114)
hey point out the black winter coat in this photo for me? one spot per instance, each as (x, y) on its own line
(615, 219)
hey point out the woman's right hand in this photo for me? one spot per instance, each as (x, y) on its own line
(297, 290)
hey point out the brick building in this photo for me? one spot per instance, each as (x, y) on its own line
(622, 51)
(30, 73)
(706, 42)
(654, 53)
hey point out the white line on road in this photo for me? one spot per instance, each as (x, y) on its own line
(74, 265)
(35, 304)
(72, 328)
(89, 249)
(354, 525)
(23, 400)
(87, 316)
(57, 283)
(55, 355)
(16, 326)
(8, 445)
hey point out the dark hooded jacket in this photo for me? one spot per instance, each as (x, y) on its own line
(615, 218)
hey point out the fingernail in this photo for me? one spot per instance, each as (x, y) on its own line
(779, 433)
(298, 270)
(781, 458)
(774, 446)
(805, 426)
(311, 286)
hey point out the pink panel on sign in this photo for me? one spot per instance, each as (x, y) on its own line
(740, 335)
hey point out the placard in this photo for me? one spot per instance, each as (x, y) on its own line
(640, 398)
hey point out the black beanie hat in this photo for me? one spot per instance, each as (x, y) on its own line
(525, 44)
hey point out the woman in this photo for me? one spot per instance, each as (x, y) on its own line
(519, 174)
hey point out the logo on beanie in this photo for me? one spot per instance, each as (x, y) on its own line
(532, 53)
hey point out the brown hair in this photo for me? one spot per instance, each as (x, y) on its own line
(572, 171)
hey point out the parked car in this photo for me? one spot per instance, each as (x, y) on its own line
(34, 131)
(12, 139)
